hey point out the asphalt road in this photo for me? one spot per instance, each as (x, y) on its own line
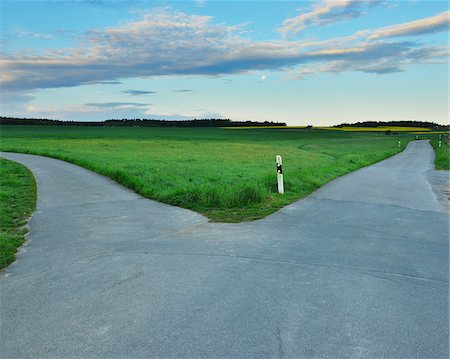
(359, 269)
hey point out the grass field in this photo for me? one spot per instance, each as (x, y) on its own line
(344, 128)
(442, 160)
(18, 200)
(226, 175)
(378, 129)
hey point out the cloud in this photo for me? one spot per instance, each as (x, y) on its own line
(166, 43)
(438, 23)
(160, 43)
(34, 35)
(210, 115)
(9, 98)
(200, 2)
(384, 59)
(97, 111)
(117, 105)
(372, 55)
(13, 35)
(326, 12)
(138, 92)
(183, 90)
(14, 102)
(105, 83)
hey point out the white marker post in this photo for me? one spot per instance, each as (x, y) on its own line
(280, 174)
(440, 142)
(399, 143)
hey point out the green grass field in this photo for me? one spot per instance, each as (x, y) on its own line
(226, 175)
(442, 160)
(18, 201)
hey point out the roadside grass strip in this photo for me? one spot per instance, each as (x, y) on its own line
(17, 202)
(442, 159)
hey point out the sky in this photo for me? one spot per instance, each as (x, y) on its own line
(299, 62)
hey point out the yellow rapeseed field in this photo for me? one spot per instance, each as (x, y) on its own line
(262, 127)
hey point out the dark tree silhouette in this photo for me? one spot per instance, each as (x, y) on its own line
(430, 125)
(137, 122)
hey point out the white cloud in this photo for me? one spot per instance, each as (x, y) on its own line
(397, 60)
(166, 43)
(427, 25)
(34, 35)
(117, 105)
(200, 2)
(326, 12)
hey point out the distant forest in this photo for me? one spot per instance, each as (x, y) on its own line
(213, 122)
(431, 125)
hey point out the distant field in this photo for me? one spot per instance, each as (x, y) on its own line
(226, 175)
(428, 132)
(348, 128)
(379, 129)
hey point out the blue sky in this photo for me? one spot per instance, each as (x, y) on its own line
(314, 62)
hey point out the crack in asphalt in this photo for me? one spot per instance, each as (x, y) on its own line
(279, 340)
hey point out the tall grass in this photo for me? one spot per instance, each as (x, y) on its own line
(226, 175)
(17, 201)
(442, 159)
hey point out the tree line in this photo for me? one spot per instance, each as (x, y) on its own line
(430, 125)
(212, 122)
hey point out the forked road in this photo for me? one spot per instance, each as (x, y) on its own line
(359, 269)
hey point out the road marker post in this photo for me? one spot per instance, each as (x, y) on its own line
(440, 142)
(280, 174)
(399, 143)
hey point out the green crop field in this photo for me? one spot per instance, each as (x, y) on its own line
(224, 174)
